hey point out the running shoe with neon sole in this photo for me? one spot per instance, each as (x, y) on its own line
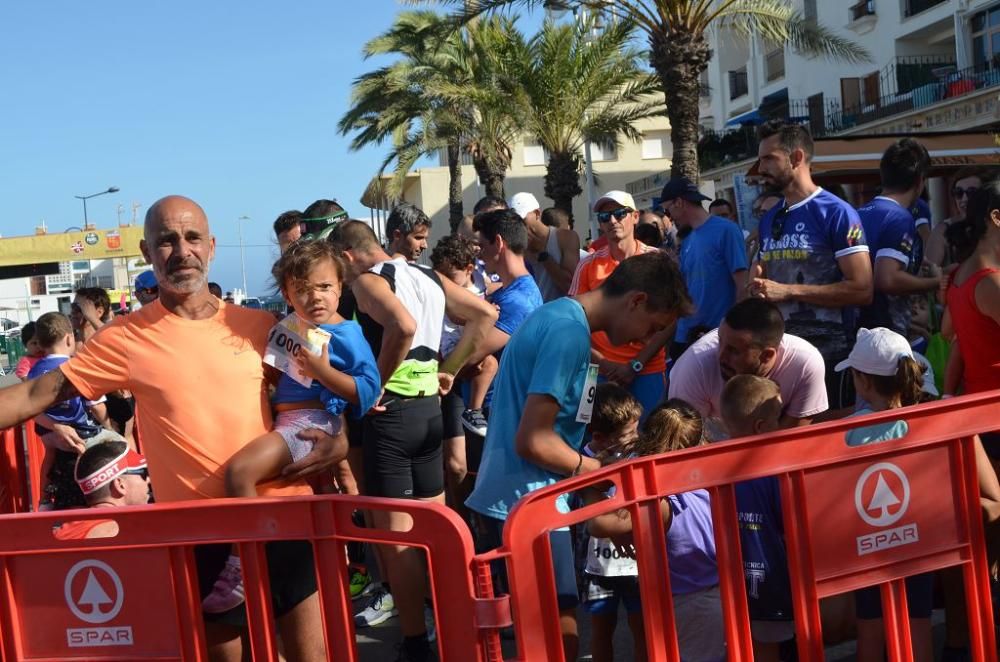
(379, 610)
(361, 584)
(227, 592)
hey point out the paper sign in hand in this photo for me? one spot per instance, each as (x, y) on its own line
(289, 337)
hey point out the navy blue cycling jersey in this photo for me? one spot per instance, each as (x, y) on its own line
(801, 244)
(762, 539)
(892, 234)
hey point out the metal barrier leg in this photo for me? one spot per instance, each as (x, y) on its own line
(263, 643)
(182, 566)
(732, 583)
(335, 600)
(808, 623)
(35, 450)
(896, 619)
(979, 603)
(490, 638)
(648, 535)
(9, 626)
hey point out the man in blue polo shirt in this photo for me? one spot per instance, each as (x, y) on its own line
(713, 260)
(813, 259)
(896, 248)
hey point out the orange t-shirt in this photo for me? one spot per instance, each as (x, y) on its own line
(593, 270)
(200, 385)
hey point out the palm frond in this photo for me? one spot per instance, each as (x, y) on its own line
(777, 22)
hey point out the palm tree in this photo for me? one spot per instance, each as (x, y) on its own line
(676, 31)
(421, 102)
(578, 86)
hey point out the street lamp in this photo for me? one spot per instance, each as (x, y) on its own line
(243, 264)
(112, 189)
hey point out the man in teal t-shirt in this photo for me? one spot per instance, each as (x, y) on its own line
(543, 396)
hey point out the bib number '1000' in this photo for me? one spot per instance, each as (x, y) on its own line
(289, 337)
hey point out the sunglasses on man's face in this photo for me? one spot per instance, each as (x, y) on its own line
(618, 214)
(959, 193)
(778, 224)
(142, 473)
(149, 290)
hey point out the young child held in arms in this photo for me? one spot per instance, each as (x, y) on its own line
(454, 257)
(68, 428)
(310, 275)
(751, 405)
(694, 580)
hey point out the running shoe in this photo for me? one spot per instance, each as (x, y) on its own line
(361, 583)
(227, 592)
(474, 421)
(379, 610)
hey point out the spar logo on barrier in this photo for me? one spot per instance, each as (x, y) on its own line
(95, 594)
(881, 497)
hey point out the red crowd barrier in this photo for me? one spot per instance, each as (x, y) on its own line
(20, 462)
(135, 596)
(843, 530)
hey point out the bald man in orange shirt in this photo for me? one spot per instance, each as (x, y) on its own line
(194, 364)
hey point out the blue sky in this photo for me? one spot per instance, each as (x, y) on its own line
(232, 103)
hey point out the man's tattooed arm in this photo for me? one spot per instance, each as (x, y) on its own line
(20, 402)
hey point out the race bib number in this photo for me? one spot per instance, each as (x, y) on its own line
(587, 399)
(289, 337)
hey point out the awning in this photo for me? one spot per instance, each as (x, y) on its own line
(860, 155)
(749, 117)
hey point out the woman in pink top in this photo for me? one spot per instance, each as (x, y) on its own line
(974, 295)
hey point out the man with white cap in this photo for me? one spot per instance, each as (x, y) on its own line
(552, 253)
(638, 366)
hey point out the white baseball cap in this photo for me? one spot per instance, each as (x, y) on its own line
(877, 352)
(523, 204)
(621, 197)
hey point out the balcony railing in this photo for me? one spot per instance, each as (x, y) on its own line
(916, 6)
(828, 117)
(738, 86)
(862, 9)
(774, 64)
(906, 73)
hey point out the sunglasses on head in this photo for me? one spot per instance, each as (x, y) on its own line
(619, 214)
(778, 224)
(959, 192)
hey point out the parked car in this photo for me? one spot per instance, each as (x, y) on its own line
(252, 302)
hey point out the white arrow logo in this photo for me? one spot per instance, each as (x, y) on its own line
(93, 595)
(883, 499)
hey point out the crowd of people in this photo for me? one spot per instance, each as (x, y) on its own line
(518, 358)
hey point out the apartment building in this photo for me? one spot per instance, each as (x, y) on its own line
(936, 67)
(614, 168)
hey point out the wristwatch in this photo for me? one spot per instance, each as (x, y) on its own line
(636, 366)
(543, 256)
